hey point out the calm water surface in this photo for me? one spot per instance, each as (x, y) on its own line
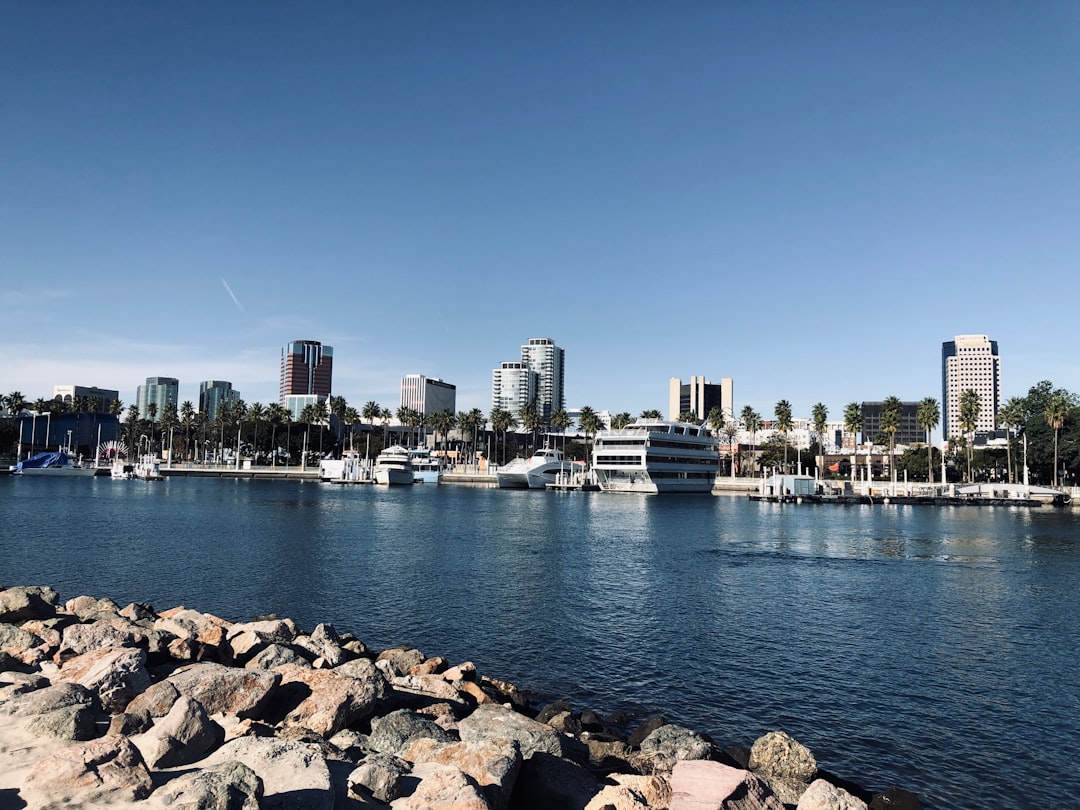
(932, 648)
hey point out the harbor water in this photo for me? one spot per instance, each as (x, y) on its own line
(935, 649)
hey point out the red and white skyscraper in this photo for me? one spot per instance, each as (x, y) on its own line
(306, 374)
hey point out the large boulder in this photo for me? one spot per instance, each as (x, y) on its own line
(29, 602)
(441, 786)
(822, 795)
(67, 723)
(669, 744)
(115, 675)
(493, 764)
(184, 735)
(549, 782)
(492, 721)
(323, 700)
(394, 732)
(250, 637)
(48, 699)
(226, 690)
(787, 765)
(381, 776)
(295, 775)
(708, 785)
(229, 786)
(109, 769)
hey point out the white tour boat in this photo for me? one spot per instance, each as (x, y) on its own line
(652, 455)
(427, 469)
(538, 471)
(147, 468)
(393, 466)
(122, 469)
(50, 464)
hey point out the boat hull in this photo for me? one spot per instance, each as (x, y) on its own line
(642, 481)
(80, 472)
(393, 476)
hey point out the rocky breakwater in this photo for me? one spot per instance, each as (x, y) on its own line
(127, 706)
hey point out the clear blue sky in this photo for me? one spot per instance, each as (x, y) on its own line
(806, 197)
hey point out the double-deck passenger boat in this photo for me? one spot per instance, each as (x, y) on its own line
(652, 455)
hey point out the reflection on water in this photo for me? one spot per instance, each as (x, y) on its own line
(933, 648)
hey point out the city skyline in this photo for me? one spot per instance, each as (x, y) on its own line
(807, 199)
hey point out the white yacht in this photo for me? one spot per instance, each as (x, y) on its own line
(538, 471)
(148, 468)
(122, 469)
(58, 463)
(427, 469)
(652, 455)
(393, 466)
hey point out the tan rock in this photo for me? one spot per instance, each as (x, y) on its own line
(822, 795)
(115, 675)
(226, 690)
(332, 701)
(106, 769)
(493, 764)
(441, 787)
(706, 785)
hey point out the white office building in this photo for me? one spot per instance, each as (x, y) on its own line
(547, 360)
(970, 362)
(513, 386)
(427, 395)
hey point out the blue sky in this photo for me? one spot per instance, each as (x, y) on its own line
(805, 197)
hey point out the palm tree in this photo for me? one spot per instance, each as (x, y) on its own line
(275, 415)
(819, 415)
(783, 424)
(652, 413)
(621, 420)
(14, 402)
(590, 424)
(853, 421)
(352, 416)
(891, 410)
(443, 422)
(132, 426)
(256, 413)
(928, 416)
(169, 420)
(502, 420)
(116, 408)
(531, 421)
(322, 417)
(1009, 416)
(751, 421)
(384, 416)
(560, 421)
(371, 411)
(969, 418)
(1056, 413)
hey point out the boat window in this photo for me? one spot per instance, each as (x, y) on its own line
(679, 429)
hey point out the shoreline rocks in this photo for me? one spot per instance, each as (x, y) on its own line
(130, 707)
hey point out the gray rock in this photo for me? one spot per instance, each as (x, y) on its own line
(294, 775)
(229, 786)
(181, 737)
(638, 735)
(702, 784)
(381, 776)
(399, 660)
(31, 602)
(493, 764)
(226, 690)
(109, 769)
(393, 733)
(277, 655)
(670, 744)
(88, 608)
(323, 700)
(82, 638)
(822, 795)
(248, 638)
(13, 637)
(777, 755)
(491, 721)
(441, 786)
(68, 723)
(48, 699)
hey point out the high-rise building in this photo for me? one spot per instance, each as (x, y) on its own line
(908, 432)
(513, 386)
(970, 362)
(96, 400)
(427, 395)
(213, 394)
(306, 375)
(547, 360)
(699, 397)
(159, 392)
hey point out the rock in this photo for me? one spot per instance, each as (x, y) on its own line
(18, 683)
(273, 656)
(154, 702)
(82, 638)
(229, 786)
(491, 721)
(670, 744)
(138, 611)
(607, 756)
(325, 643)
(777, 755)
(706, 785)
(618, 797)
(822, 795)
(294, 774)
(785, 764)
(549, 782)
(14, 639)
(441, 786)
(896, 799)
(430, 666)
(465, 671)
(493, 764)
(68, 723)
(107, 769)
(226, 690)
(505, 692)
(88, 608)
(551, 710)
(400, 660)
(566, 723)
(473, 692)
(381, 776)
(115, 675)
(32, 602)
(248, 638)
(181, 737)
(48, 699)
(414, 691)
(393, 733)
(638, 735)
(324, 701)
